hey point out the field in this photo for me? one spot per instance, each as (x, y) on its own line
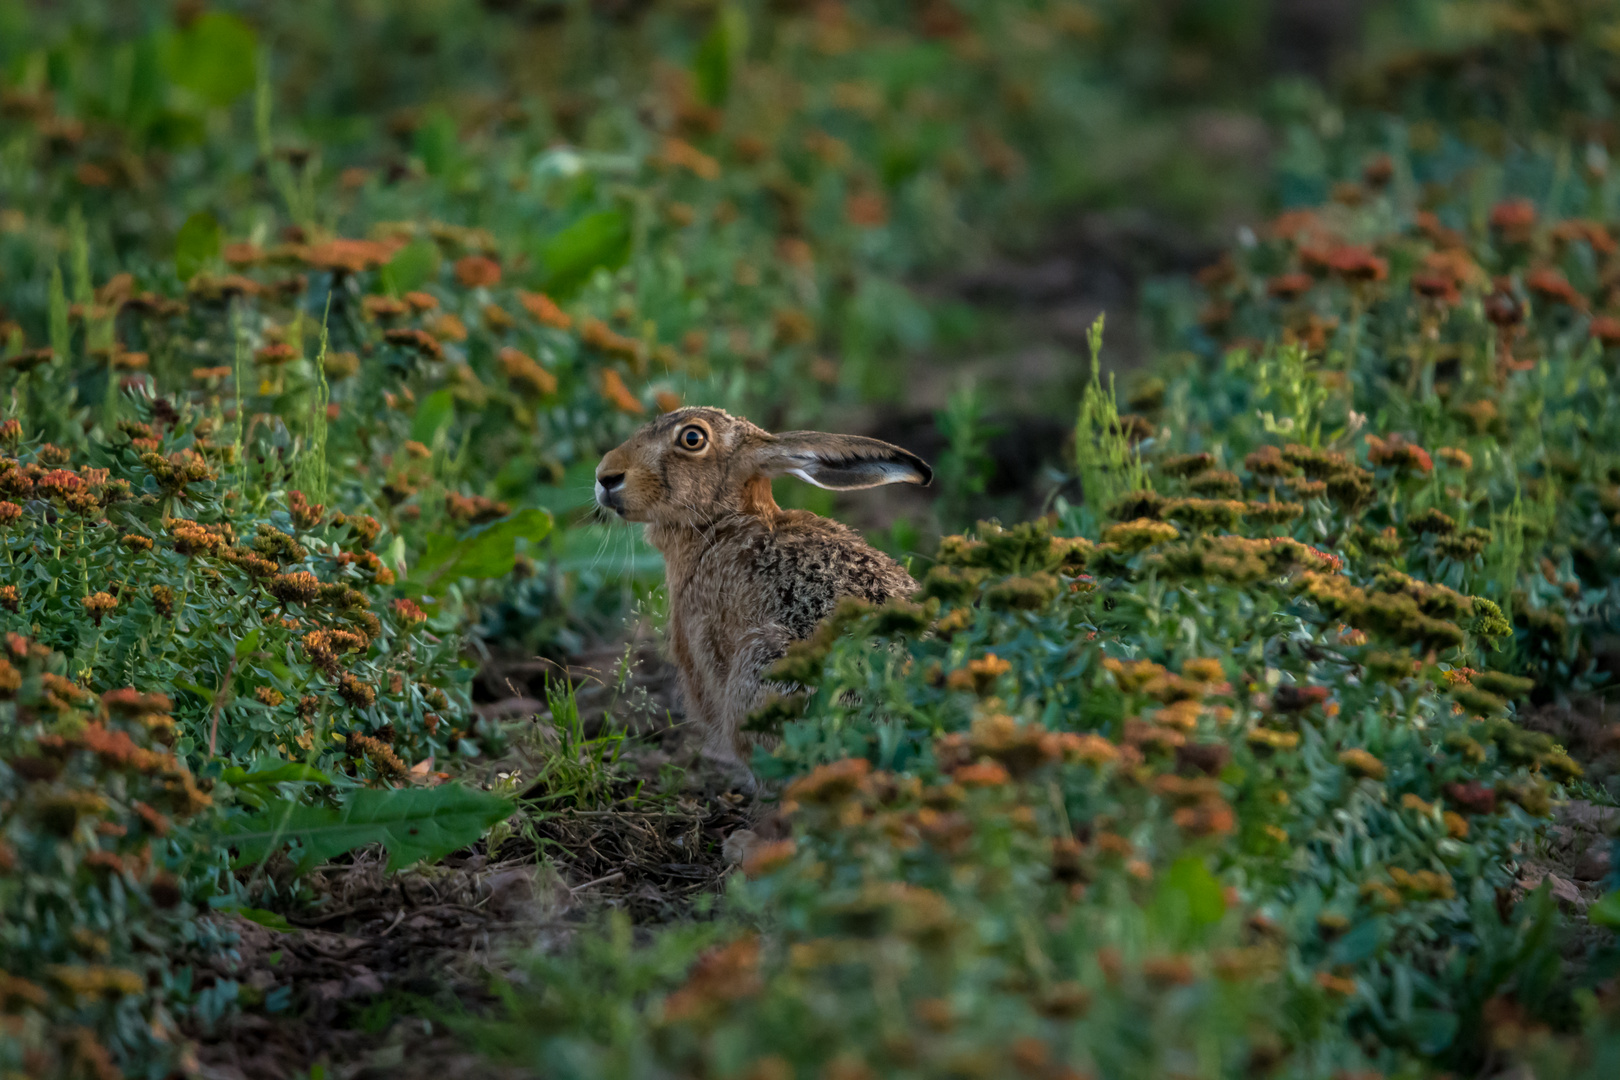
(1255, 714)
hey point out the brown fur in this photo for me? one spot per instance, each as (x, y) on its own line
(745, 576)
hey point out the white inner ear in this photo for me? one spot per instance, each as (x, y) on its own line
(877, 473)
(807, 478)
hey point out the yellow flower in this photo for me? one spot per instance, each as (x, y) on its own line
(1362, 763)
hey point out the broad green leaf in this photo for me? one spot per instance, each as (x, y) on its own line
(197, 244)
(1606, 912)
(215, 57)
(412, 266)
(412, 823)
(488, 552)
(435, 413)
(283, 772)
(612, 549)
(718, 53)
(1190, 883)
(596, 240)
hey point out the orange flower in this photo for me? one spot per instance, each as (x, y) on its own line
(983, 774)
(383, 307)
(768, 857)
(449, 327)
(279, 353)
(545, 311)
(1456, 458)
(618, 395)
(98, 605)
(412, 338)
(1335, 984)
(351, 256)
(1606, 329)
(1290, 286)
(980, 675)
(1552, 286)
(1398, 453)
(1357, 264)
(478, 271)
(598, 335)
(1514, 218)
(866, 209)
(1594, 233)
(830, 783)
(1437, 287)
(1361, 763)
(668, 400)
(240, 255)
(678, 153)
(526, 373)
(421, 301)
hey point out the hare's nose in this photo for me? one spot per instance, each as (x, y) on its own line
(609, 492)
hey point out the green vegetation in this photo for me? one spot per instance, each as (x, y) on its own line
(1246, 758)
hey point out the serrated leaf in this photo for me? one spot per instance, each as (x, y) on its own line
(412, 823)
(488, 552)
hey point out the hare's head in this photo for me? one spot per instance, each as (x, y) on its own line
(695, 465)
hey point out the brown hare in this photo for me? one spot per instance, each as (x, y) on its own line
(745, 576)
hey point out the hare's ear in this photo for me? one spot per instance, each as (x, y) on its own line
(841, 462)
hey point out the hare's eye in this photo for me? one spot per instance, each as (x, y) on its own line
(692, 438)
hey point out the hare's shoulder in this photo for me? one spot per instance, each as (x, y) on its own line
(801, 565)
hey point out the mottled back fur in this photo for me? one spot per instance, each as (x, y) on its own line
(745, 576)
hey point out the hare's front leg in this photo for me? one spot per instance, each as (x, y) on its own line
(754, 651)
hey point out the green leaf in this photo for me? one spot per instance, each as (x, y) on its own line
(488, 552)
(412, 823)
(1190, 883)
(433, 415)
(264, 918)
(197, 244)
(1359, 943)
(717, 55)
(249, 642)
(596, 240)
(1606, 912)
(436, 142)
(610, 549)
(196, 688)
(1432, 1029)
(412, 266)
(215, 57)
(281, 772)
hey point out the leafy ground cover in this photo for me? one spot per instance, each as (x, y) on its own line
(1279, 745)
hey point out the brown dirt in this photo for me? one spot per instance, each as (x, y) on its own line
(374, 958)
